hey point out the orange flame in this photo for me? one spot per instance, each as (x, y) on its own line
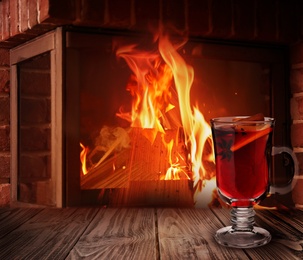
(154, 76)
(149, 87)
(197, 130)
(160, 86)
(83, 154)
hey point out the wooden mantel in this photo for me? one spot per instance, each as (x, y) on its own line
(139, 233)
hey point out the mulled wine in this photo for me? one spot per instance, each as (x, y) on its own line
(243, 152)
(242, 162)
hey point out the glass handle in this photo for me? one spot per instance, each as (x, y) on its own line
(289, 186)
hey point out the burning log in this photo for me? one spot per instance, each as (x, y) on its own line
(140, 162)
(137, 174)
(112, 173)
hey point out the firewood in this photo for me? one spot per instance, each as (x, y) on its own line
(142, 161)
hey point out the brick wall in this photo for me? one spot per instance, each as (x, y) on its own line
(273, 21)
(296, 83)
(258, 20)
(35, 131)
(4, 128)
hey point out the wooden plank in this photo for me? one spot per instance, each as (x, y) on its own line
(139, 233)
(293, 218)
(50, 234)
(287, 237)
(286, 240)
(119, 234)
(189, 234)
(12, 218)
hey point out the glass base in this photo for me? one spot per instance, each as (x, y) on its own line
(227, 236)
(242, 233)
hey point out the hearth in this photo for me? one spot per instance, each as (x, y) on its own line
(70, 85)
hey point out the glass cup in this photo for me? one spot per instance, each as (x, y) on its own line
(243, 152)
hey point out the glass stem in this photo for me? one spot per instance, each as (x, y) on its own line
(242, 219)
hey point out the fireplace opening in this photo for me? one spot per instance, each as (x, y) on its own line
(86, 86)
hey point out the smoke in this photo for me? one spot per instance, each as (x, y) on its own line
(110, 137)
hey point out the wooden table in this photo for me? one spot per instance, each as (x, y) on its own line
(139, 233)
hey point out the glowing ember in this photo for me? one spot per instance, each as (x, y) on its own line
(160, 89)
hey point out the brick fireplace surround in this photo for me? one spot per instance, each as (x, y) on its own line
(256, 21)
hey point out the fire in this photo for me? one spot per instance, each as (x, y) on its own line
(83, 155)
(196, 129)
(160, 87)
(150, 88)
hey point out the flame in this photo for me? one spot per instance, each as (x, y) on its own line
(197, 130)
(177, 170)
(83, 155)
(149, 86)
(160, 87)
(154, 76)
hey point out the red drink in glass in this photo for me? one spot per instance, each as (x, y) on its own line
(243, 152)
(242, 169)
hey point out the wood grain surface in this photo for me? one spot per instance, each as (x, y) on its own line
(139, 233)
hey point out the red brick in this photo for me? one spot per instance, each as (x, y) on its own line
(4, 11)
(4, 57)
(35, 139)
(300, 161)
(297, 193)
(5, 167)
(296, 52)
(4, 111)
(32, 13)
(35, 83)
(23, 10)
(14, 23)
(34, 111)
(4, 80)
(296, 80)
(221, 15)
(266, 15)
(296, 135)
(1, 29)
(43, 10)
(295, 110)
(37, 193)
(244, 19)
(4, 139)
(5, 194)
(35, 166)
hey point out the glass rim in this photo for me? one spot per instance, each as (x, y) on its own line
(231, 120)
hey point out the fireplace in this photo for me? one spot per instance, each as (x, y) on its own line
(69, 86)
(57, 121)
